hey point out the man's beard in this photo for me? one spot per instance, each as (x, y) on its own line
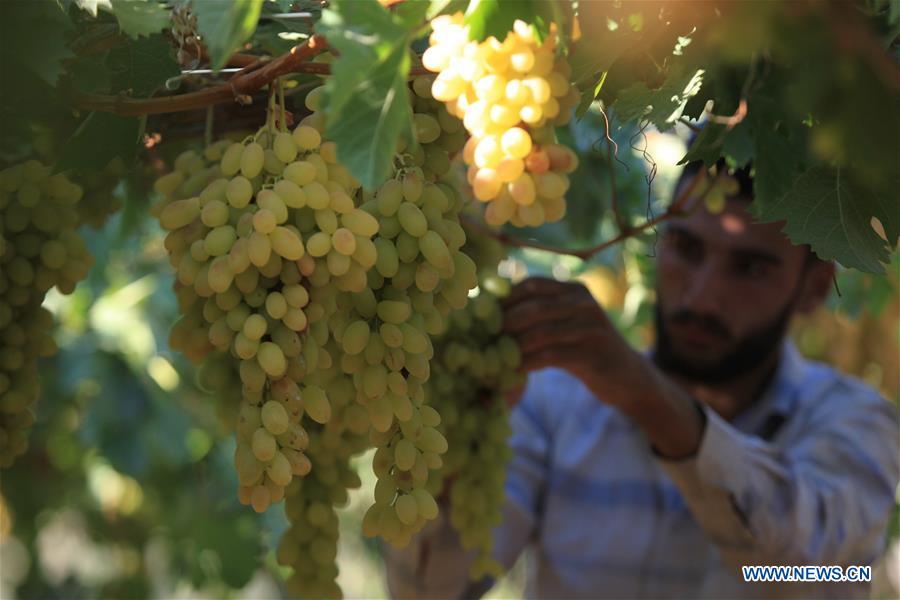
(748, 353)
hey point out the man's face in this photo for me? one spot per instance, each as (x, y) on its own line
(726, 289)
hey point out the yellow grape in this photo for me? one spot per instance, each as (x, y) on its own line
(318, 244)
(231, 160)
(300, 173)
(254, 327)
(523, 190)
(412, 219)
(252, 159)
(180, 213)
(284, 146)
(355, 337)
(407, 509)
(239, 191)
(271, 201)
(360, 222)
(486, 184)
(271, 359)
(393, 311)
(287, 243)
(435, 251)
(516, 142)
(259, 249)
(306, 138)
(263, 445)
(316, 404)
(264, 221)
(291, 193)
(343, 241)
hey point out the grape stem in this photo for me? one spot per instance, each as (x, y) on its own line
(684, 204)
(255, 76)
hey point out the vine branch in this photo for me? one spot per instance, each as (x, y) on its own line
(683, 205)
(256, 74)
(293, 61)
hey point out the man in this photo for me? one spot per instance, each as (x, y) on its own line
(657, 476)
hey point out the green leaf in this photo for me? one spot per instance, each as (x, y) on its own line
(833, 214)
(139, 17)
(662, 106)
(437, 7)
(141, 66)
(100, 138)
(33, 34)
(367, 104)
(225, 26)
(486, 18)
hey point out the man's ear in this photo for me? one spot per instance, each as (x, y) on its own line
(818, 277)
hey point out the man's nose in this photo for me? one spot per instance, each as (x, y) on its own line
(702, 292)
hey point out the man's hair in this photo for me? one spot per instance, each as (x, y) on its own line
(745, 189)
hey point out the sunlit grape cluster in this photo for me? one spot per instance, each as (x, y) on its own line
(39, 249)
(510, 95)
(474, 365)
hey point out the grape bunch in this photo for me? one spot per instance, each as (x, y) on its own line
(509, 95)
(242, 265)
(39, 249)
(310, 544)
(475, 364)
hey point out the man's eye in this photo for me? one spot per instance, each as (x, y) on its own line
(751, 268)
(686, 247)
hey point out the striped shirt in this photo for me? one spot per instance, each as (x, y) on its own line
(805, 476)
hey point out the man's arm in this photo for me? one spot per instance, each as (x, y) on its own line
(826, 500)
(434, 564)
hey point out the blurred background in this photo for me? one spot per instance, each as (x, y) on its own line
(128, 488)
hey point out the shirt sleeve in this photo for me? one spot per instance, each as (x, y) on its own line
(435, 565)
(824, 500)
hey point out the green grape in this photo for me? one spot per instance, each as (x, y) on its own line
(284, 146)
(389, 197)
(286, 243)
(317, 405)
(412, 220)
(271, 359)
(356, 336)
(252, 158)
(239, 191)
(405, 455)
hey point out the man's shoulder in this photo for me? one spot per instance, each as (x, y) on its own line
(824, 389)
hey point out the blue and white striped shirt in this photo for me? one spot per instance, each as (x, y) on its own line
(807, 475)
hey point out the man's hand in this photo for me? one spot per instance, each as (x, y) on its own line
(559, 324)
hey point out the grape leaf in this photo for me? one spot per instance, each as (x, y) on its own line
(141, 66)
(100, 138)
(437, 7)
(139, 17)
(225, 26)
(486, 18)
(661, 106)
(42, 53)
(367, 104)
(831, 213)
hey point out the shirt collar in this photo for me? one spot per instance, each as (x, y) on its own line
(780, 396)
